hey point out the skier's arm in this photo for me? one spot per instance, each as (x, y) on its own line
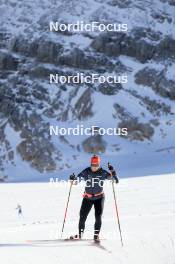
(80, 176)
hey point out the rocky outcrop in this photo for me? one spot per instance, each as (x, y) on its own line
(94, 144)
(121, 112)
(155, 107)
(8, 61)
(6, 152)
(43, 49)
(157, 81)
(137, 130)
(83, 107)
(170, 2)
(35, 146)
(142, 44)
(134, 45)
(80, 59)
(166, 48)
(76, 58)
(48, 51)
(120, 3)
(109, 89)
(38, 152)
(161, 17)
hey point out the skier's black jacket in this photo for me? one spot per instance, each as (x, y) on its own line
(95, 180)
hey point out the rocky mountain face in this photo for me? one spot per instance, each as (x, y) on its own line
(29, 104)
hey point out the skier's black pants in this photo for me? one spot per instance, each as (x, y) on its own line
(84, 211)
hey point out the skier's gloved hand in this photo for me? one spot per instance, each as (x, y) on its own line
(72, 177)
(113, 173)
(116, 180)
(110, 167)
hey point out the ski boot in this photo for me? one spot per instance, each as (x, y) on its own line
(96, 239)
(76, 237)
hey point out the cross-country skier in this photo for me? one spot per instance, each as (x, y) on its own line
(19, 208)
(94, 177)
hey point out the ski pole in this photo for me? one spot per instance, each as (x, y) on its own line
(116, 208)
(65, 214)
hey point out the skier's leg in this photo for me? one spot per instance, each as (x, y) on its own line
(98, 205)
(19, 215)
(84, 211)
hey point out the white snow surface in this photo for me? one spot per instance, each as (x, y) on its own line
(31, 19)
(147, 216)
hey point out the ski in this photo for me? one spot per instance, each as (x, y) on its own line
(62, 240)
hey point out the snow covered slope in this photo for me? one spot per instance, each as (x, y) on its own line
(29, 52)
(147, 216)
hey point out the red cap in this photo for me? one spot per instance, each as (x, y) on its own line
(95, 161)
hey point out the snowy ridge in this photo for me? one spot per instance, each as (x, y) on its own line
(32, 50)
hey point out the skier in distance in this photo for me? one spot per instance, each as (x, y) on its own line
(19, 209)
